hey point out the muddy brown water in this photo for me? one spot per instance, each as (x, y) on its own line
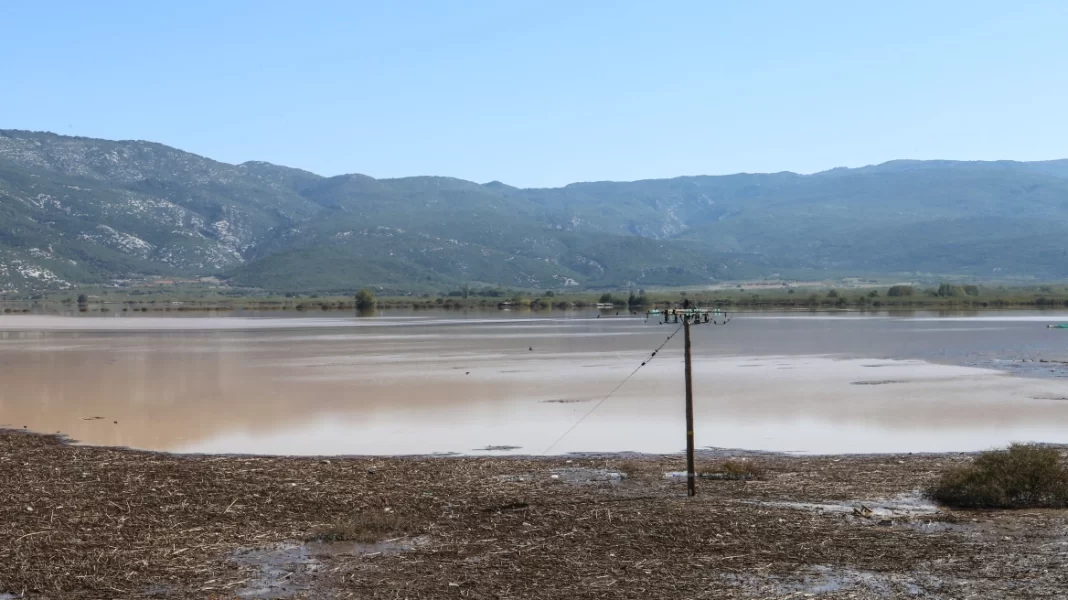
(497, 383)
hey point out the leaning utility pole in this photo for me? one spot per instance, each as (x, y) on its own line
(691, 476)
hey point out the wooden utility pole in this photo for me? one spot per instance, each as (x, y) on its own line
(690, 474)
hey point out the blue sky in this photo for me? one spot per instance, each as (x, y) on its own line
(544, 93)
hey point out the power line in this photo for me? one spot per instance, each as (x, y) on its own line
(614, 390)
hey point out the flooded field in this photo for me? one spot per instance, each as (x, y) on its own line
(498, 383)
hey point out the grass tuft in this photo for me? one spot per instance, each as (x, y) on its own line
(636, 468)
(734, 470)
(365, 528)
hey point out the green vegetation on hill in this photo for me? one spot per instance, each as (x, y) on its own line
(81, 211)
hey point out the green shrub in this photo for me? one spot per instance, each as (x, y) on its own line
(365, 300)
(1023, 476)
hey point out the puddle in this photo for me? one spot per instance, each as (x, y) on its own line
(582, 475)
(681, 476)
(904, 506)
(937, 526)
(910, 511)
(497, 448)
(823, 579)
(289, 569)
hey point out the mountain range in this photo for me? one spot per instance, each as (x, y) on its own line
(77, 210)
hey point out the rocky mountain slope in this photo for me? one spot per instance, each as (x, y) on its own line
(78, 210)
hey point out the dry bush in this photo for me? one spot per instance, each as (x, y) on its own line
(734, 470)
(634, 468)
(1023, 476)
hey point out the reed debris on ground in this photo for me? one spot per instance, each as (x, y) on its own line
(80, 522)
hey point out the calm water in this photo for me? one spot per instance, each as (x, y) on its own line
(454, 382)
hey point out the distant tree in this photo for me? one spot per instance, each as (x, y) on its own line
(948, 290)
(832, 294)
(606, 298)
(466, 290)
(873, 294)
(550, 294)
(365, 299)
(83, 299)
(971, 290)
(790, 291)
(901, 290)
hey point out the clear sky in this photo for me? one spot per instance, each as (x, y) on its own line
(546, 92)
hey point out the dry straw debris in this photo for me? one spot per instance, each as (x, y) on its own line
(83, 522)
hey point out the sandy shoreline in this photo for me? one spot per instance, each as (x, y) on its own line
(91, 522)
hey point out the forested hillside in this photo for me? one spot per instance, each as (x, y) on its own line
(78, 210)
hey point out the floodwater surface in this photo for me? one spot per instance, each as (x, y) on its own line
(422, 383)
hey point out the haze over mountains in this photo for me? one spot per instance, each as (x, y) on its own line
(78, 210)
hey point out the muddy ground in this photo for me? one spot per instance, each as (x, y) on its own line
(88, 522)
